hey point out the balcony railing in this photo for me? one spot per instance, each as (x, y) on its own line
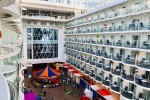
(106, 82)
(13, 91)
(142, 82)
(115, 87)
(43, 16)
(106, 67)
(127, 94)
(116, 71)
(113, 14)
(126, 76)
(144, 63)
(129, 60)
(98, 78)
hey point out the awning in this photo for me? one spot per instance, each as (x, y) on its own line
(70, 70)
(94, 87)
(85, 98)
(75, 71)
(66, 66)
(77, 74)
(103, 92)
(106, 94)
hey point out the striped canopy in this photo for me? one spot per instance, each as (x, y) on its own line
(47, 72)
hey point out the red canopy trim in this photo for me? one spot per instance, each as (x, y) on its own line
(69, 68)
(75, 72)
(85, 98)
(65, 64)
(103, 92)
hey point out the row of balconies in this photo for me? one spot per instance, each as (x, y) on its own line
(108, 82)
(124, 27)
(143, 63)
(44, 15)
(109, 15)
(107, 67)
(129, 44)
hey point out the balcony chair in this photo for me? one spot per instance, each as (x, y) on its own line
(123, 73)
(119, 28)
(101, 41)
(128, 58)
(115, 83)
(141, 96)
(128, 44)
(106, 79)
(110, 29)
(142, 61)
(107, 42)
(146, 45)
(102, 30)
(118, 56)
(119, 43)
(98, 53)
(126, 88)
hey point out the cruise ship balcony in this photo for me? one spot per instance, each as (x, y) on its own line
(126, 76)
(8, 51)
(9, 71)
(115, 87)
(99, 65)
(13, 91)
(116, 71)
(142, 80)
(106, 81)
(144, 63)
(107, 67)
(98, 78)
(126, 93)
(129, 60)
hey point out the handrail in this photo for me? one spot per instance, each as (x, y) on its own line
(13, 90)
(15, 51)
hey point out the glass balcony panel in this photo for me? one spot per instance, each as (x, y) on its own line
(115, 87)
(129, 60)
(126, 76)
(144, 63)
(142, 81)
(126, 93)
(106, 82)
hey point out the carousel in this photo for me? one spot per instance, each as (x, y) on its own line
(45, 77)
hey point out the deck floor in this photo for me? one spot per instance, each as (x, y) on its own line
(57, 93)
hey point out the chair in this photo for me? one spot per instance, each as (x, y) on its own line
(117, 67)
(140, 95)
(143, 76)
(126, 88)
(145, 44)
(128, 58)
(128, 43)
(106, 78)
(142, 61)
(115, 83)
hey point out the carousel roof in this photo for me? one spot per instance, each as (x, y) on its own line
(47, 72)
